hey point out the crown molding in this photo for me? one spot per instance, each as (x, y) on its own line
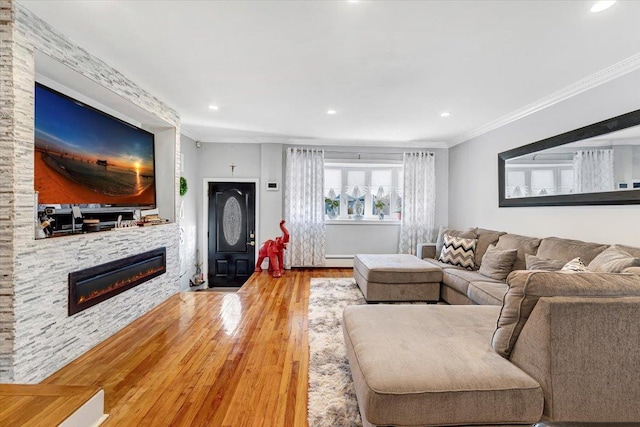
(366, 143)
(612, 72)
(322, 142)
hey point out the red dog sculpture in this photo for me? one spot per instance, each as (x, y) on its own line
(273, 249)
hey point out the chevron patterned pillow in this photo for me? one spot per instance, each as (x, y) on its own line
(458, 251)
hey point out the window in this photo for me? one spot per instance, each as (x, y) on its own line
(533, 180)
(542, 182)
(362, 190)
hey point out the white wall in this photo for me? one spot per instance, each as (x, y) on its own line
(188, 211)
(473, 172)
(365, 237)
(271, 202)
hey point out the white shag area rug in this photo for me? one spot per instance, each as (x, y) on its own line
(332, 396)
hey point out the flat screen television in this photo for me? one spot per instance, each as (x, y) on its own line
(85, 156)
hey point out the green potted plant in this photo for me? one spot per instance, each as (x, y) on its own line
(183, 186)
(331, 207)
(379, 204)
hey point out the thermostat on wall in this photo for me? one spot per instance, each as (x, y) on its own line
(272, 186)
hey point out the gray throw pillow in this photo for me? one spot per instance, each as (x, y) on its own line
(546, 264)
(498, 263)
(613, 260)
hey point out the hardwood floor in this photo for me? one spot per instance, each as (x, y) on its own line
(209, 358)
(41, 405)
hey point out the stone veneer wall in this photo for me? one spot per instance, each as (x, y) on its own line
(6, 191)
(41, 336)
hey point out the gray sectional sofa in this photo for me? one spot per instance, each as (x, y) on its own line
(460, 286)
(538, 346)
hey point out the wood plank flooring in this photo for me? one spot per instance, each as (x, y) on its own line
(41, 405)
(209, 358)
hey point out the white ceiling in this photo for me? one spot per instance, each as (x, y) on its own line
(389, 68)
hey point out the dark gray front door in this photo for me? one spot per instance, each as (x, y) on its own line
(231, 233)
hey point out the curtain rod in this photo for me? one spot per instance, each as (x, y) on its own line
(374, 153)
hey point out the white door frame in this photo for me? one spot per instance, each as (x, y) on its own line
(204, 238)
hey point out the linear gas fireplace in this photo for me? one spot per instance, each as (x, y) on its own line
(93, 285)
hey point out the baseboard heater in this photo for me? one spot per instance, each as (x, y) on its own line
(338, 261)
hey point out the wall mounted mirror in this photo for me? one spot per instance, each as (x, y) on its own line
(598, 164)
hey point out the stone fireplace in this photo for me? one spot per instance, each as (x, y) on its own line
(93, 285)
(37, 334)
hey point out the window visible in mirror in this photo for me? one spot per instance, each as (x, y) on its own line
(581, 167)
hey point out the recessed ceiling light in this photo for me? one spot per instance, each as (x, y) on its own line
(331, 112)
(602, 5)
(445, 114)
(353, 1)
(213, 107)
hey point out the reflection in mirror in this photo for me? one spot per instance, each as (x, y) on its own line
(609, 162)
(598, 164)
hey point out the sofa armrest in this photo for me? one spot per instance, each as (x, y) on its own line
(426, 250)
(583, 352)
(632, 270)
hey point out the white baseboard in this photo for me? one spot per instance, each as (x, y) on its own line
(89, 414)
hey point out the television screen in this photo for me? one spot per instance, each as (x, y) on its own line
(85, 156)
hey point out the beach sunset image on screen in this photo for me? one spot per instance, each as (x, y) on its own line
(84, 156)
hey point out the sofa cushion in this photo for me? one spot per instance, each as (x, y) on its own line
(575, 264)
(460, 279)
(486, 238)
(526, 287)
(458, 251)
(467, 234)
(534, 262)
(433, 365)
(487, 293)
(442, 265)
(631, 249)
(566, 249)
(498, 263)
(614, 259)
(632, 270)
(524, 245)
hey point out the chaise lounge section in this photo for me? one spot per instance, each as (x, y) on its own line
(538, 346)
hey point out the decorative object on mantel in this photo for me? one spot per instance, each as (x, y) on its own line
(398, 213)
(233, 167)
(151, 217)
(274, 250)
(37, 224)
(183, 186)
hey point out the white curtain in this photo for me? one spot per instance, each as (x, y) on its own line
(304, 207)
(593, 171)
(419, 201)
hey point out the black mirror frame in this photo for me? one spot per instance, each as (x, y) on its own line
(623, 197)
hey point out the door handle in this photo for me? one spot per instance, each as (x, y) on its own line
(251, 243)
